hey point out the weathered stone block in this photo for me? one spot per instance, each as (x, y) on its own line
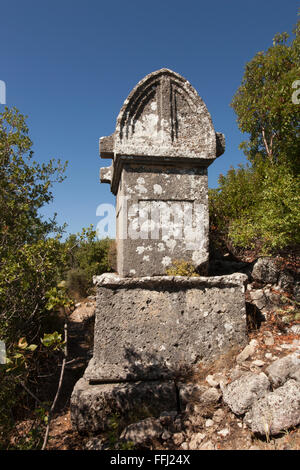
(93, 406)
(155, 327)
(162, 215)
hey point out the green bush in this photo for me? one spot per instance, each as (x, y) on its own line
(77, 282)
(87, 257)
(257, 207)
(31, 265)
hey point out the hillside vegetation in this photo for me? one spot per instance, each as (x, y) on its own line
(257, 206)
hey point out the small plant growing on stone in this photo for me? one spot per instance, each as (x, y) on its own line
(114, 434)
(182, 268)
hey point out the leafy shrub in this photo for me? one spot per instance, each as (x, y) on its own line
(31, 265)
(87, 257)
(77, 282)
(257, 207)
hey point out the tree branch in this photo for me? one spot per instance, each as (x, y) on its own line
(58, 389)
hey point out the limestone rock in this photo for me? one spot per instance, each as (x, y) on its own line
(277, 411)
(243, 392)
(296, 375)
(286, 280)
(212, 381)
(197, 394)
(184, 446)
(166, 435)
(282, 369)
(258, 363)
(248, 351)
(209, 423)
(268, 338)
(196, 440)
(218, 415)
(208, 445)
(96, 443)
(265, 270)
(143, 431)
(295, 329)
(258, 298)
(210, 396)
(224, 432)
(178, 438)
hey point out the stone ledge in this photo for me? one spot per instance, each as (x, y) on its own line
(113, 280)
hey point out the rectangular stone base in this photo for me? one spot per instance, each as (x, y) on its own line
(93, 406)
(152, 328)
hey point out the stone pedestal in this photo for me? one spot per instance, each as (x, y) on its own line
(149, 332)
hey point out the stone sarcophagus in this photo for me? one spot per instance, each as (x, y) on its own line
(150, 326)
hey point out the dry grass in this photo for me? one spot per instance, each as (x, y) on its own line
(221, 364)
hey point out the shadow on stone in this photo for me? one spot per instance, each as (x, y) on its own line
(254, 317)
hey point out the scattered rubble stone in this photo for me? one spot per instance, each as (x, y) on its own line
(269, 339)
(258, 363)
(211, 380)
(96, 443)
(258, 298)
(166, 435)
(196, 441)
(178, 438)
(265, 270)
(218, 416)
(209, 423)
(286, 280)
(207, 446)
(277, 411)
(280, 370)
(295, 329)
(224, 432)
(248, 351)
(241, 394)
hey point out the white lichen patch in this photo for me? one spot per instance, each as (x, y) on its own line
(140, 188)
(161, 247)
(157, 189)
(166, 261)
(228, 327)
(146, 258)
(171, 244)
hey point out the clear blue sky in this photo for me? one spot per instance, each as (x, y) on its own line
(70, 64)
